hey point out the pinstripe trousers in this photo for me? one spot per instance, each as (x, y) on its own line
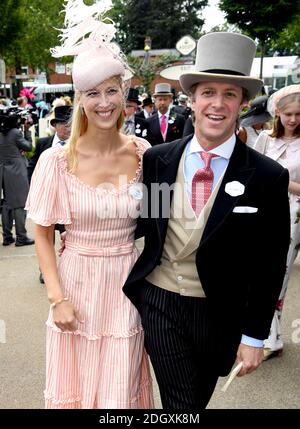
(177, 336)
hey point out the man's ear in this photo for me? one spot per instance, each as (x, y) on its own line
(193, 104)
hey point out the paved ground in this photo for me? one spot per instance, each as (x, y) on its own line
(23, 311)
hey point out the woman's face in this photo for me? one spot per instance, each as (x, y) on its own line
(290, 116)
(103, 104)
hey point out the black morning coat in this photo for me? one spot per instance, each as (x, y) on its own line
(241, 258)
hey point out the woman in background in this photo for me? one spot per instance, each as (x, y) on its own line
(282, 144)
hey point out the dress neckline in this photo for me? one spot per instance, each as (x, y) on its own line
(113, 189)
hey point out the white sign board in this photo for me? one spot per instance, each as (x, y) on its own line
(60, 68)
(174, 72)
(186, 45)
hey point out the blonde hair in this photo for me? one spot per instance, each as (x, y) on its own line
(79, 125)
(278, 128)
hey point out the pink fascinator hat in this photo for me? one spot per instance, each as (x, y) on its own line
(278, 95)
(89, 38)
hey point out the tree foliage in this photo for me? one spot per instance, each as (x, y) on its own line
(11, 22)
(29, 28)
(164, 21)
(261, 20)
(288, 41)
(34, 23)
(146, 71)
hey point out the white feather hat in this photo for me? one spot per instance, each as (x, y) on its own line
(90, 40)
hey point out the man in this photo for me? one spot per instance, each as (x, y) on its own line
(13, 176)
(165, 125)
(207, 281)
(147, 108)
(134, 124)
(255, 120)
(182, 106)
(60, 123)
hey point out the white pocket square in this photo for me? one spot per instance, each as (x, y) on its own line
(245, 209)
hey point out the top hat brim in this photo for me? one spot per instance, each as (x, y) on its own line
(157, 94)
(252, 85)
(255, 119)
(134, 100)
(55, 120)
(147, 103)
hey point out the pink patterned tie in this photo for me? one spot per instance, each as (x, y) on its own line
(163, 126)
(202, 183)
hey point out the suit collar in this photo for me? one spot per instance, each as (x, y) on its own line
(174, 151)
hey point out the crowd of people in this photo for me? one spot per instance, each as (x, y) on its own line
(197, 179)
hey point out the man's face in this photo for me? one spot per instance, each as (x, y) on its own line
(149, 108)
(130, 109)
(63, 130)
(216, 106)
(162, 103)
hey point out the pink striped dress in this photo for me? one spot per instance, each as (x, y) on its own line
(103, 363)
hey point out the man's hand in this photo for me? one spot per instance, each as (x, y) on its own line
(251, 357)
(63, 243)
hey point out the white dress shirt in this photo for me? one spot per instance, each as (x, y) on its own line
(56, 141)
(167, 114)
(193, 160)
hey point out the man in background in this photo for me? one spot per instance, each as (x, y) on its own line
(165, 125)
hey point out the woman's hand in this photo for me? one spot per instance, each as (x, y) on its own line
(65, 316)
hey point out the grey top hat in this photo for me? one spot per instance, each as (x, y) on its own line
(257, 113)
(162, 89)
(224, 57)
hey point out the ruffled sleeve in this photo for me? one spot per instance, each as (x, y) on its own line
(48, 199)
(142, 145)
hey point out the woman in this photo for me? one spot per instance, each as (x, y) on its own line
(95, 342)
(254, 121)
(282, 143)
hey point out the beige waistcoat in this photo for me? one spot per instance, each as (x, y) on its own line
(177, 271)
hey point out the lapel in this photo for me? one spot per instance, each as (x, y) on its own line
(166, 172)
(170, 126)
(47, 143)
(238, 170)
(155, 128)
(51, 141)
